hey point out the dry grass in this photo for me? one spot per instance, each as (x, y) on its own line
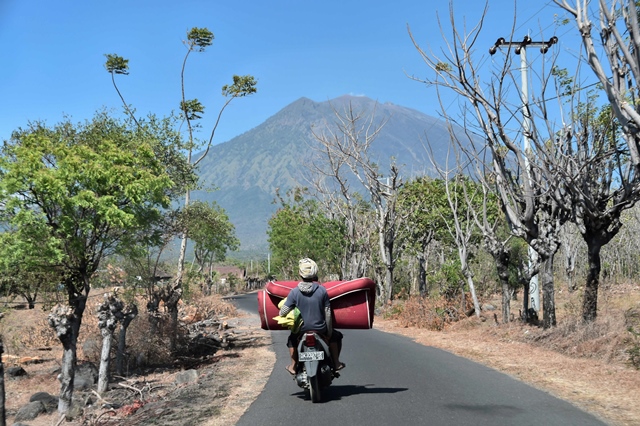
(31, 343)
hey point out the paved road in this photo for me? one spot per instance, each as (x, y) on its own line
(391, 379)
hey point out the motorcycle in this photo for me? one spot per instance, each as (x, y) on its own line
(314, 371)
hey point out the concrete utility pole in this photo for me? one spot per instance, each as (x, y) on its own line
(520, 48)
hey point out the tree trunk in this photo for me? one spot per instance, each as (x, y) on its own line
(172, 307)
(386, 247)
(590, 299)
(153, 311)
(422, 276)
(379, 280)
(422, 259)
(128, 315)
(3, 415)
(525, 301)
(472, 290)
(502, 267)
(122, 345)
(103, 371)
(548, 294)
(66, 322)
(183, 245)
(388, 283)
(108, 313)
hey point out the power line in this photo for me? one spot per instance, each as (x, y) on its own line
(534, 15)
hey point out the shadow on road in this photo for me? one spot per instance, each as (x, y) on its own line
(488, 409)
(335, 393)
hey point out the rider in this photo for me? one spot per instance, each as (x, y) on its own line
(313, 302)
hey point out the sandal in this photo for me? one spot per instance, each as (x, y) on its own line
(341, 366)
(292, 372)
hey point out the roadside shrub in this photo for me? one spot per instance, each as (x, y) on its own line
(601, 339)
(432, 313)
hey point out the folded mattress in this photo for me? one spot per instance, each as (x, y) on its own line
(352, 302)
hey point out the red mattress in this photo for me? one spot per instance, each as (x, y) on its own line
(352, 302)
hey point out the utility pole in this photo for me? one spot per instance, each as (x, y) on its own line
(520, 48)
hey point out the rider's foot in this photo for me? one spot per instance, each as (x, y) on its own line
(291, 370)
(340, 366)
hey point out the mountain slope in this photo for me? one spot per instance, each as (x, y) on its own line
(248, 169)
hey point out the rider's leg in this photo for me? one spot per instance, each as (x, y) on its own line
(294, 359)
(335, 347)
(293, 353)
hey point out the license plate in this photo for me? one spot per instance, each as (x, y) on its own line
(311, 356)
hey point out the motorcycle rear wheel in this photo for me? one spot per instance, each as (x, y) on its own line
(314, 389)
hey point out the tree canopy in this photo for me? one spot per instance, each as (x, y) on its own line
(76, 194)
(301, 229)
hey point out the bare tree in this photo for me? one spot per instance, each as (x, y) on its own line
(355, 213)
(523, 187)
(619, 70)
(490, 224)
(610, 171)
(462, 225)
(346, 146)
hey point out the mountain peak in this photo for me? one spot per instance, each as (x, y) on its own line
(250, 168)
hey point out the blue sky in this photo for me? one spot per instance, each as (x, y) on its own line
(53, 53)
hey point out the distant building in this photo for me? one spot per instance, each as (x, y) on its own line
(225, 271)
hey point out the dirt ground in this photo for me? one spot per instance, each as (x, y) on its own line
(230, 381)
(225, 387)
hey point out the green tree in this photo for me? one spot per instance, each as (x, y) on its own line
(423, 204)
(82, 191)
(300, 229)
(211, 231)
(27, 266)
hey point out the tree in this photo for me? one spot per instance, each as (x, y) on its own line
(462, 197)
(425, 211)
(211, 231)
(82, 191)
(333, 190)
(417, 203)
(620, 35)
(300, 228)
(526, 191)
(346, 145)
(27, 266)
(603, 147)
(198, 39)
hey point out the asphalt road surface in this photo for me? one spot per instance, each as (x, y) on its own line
(390, 379)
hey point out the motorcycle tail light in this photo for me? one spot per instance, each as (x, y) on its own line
(310, 340)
